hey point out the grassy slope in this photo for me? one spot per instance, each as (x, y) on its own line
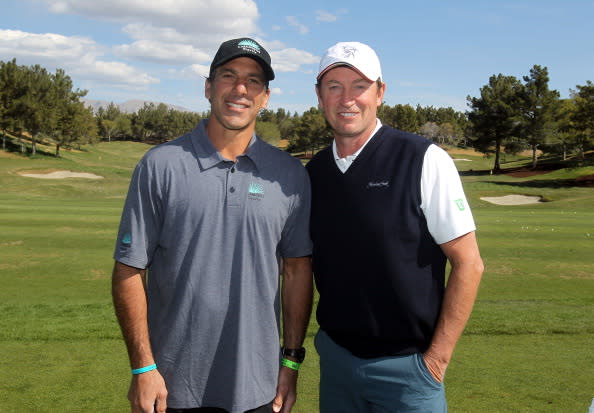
(527, 347)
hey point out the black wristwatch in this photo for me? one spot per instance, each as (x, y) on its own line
(296, 353)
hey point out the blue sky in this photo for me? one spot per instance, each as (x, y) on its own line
(433, 53)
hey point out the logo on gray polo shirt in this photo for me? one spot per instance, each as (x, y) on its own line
(255, 191)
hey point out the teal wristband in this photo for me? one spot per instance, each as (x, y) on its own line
(144, 369)
(290, 364)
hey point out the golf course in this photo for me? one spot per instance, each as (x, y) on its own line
(528, 347)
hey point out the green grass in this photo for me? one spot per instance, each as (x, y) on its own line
(527, 348)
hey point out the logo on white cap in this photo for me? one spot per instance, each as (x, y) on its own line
(357, 55)
(348, 52)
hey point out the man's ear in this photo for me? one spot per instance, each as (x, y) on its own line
(207, 86)
(265, 103)
(380, 94)
(320, 105)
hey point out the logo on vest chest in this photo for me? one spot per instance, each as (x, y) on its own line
(378, 184)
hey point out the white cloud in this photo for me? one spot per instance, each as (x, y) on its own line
(147, 31)
(170, 31)
(324, 16)
(292, 21)
(216, 19)
(46, 47)
(117, 73)
(291, 59)
(76, 55)
(276, 91)
(168, 53)
(194, 70)
(272, 44)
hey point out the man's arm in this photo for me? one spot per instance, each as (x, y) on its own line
(147, 390)
(297, 296)
(460, 294)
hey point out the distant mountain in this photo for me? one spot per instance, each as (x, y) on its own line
(129, 106)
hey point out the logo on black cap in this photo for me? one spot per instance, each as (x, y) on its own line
(249, 46)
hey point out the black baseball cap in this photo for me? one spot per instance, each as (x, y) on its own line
(243, 47)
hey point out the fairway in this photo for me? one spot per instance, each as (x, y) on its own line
(527, 348)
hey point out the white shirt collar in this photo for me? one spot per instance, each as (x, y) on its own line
(344, 163)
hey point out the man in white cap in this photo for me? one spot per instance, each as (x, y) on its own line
(196, 287)
(388, 212)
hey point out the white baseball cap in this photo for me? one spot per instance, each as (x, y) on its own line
(357, 55)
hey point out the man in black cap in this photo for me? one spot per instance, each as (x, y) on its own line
(208, 220)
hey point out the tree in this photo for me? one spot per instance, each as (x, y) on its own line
(152, 122)
(495, 114)
(267, 115)
(141, 122)
(539, 105)
(71, 121)
(12, 89)
(565, 135)
(38, 104)
(452, 125)
(447, 134)
(112, 122)
(286, 124)
(310, 132)
(77, 125)
(268, 131)
(403, 117)
(430, 130)
(406, 118)
(583, 116)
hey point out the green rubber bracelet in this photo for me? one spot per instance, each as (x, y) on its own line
(290, 364)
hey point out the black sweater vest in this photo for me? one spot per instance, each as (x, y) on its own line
(379, 272)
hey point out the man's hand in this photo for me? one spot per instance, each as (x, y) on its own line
(286, 391)
(460, 294)
(436, 367)
(148, 393)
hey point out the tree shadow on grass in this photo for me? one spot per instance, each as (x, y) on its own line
(16, 147)
(581, 182)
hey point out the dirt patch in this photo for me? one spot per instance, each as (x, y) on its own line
(587, 180)
(525, 173)
(582, 181)
(512, 200)
(462, 151)
(4, 154)
(62, 175)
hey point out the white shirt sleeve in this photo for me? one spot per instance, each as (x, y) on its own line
(442, 197)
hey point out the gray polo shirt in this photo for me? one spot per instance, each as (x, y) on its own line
(211, 233)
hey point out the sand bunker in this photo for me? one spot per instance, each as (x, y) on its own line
(63, 174)
(513, 200)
